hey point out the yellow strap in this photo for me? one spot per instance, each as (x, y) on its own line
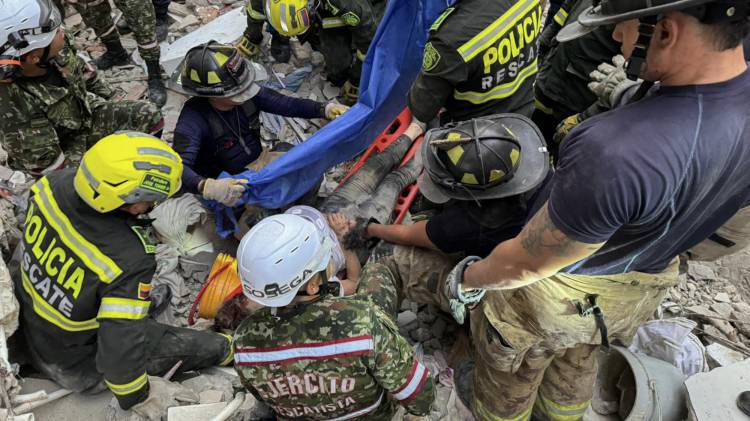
(50, 314)
(496, 30)
(541, 107)
(230, 356)
(122, 308)
(103, 266)
(333, 22)
(361, 56)
(556, 412)
(500, 91)
(254, 14)
(561, 17)
(128, 388)
(485, 413)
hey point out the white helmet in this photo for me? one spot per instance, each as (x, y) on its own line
(26, 25)
(278, 256)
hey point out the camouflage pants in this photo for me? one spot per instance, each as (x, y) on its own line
(139, 14)
(109, 117)
(533, 352)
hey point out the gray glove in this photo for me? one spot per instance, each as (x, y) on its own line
(457, 297)
(609, 82)
(161, 396)
(227, 191)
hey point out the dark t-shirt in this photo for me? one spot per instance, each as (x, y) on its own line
(654, 178)
(464, 226)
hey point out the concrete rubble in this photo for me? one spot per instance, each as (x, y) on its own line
(715, 295)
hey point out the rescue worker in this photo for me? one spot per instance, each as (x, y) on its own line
(311, 353)
(219, 128)
(249, 43)
(141, 17)
(484, 172)
(561, 88)
(340, 29)
(480, 58)
(86, 269)
(52, 104)
(634, 188)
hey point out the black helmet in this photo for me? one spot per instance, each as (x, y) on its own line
(485, 158)
(218, 70)
(606, 12)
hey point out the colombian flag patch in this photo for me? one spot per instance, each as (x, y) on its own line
(144, 291)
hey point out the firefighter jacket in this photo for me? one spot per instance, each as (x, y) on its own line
(84, 287)
(480, 58)
(338, 358)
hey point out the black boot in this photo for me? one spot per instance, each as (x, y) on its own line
(280, 49)
(115, 56)
(162, 28)
(156, 91)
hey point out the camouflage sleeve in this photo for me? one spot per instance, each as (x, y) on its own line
(255, 20)
(442, 69)
(395, 367)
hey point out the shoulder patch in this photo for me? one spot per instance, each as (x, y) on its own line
(439, 21)
(146, 235)
(144, 291)
(431, 57)
(350, 18)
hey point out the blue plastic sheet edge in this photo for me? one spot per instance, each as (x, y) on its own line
(392, 63)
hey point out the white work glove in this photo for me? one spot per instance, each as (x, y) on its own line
(227, 191)
(162, 395)
(609, 82)
(457, 297)
(335, 110)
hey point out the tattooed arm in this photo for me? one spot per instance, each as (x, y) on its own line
(539, 251)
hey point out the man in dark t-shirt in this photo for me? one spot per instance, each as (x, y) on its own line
(634, 188)
(482, 172)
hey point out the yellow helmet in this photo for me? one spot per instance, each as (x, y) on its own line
(125, 168)
(290, 17)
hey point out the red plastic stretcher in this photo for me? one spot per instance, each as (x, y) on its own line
(381, 143)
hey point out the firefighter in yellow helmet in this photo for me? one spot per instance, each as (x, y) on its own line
(86, 272)
(340, 29)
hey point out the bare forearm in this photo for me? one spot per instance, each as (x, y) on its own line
(353, 268)
(405, 235)
(498, 271)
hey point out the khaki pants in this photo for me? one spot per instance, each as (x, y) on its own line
(734, 234)
(533, 351)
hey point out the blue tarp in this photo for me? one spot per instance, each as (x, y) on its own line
(392, 63)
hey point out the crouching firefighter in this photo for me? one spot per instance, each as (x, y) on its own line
(312, 353)
(86, 272)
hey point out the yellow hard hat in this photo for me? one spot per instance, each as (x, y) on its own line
(290, 17)
(125, 168)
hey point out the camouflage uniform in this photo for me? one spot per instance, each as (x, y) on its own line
(65, 112)
(139, 15)
(336, 358)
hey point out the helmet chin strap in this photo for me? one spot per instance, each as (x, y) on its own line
(637, 62)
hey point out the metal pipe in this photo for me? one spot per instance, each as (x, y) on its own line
(30, 406)
(231, 408)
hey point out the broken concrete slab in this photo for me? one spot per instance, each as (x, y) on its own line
(74, 407)
(212, 396)
(712, 396)
(205, 382)
(204, 412)
(721, 356)
(723, 297)
(225, 29)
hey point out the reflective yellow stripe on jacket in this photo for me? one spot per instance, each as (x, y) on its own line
(561, 17)
(333, 22)
(122, 308)
(90, 255)
(500, 91)
(496, 30)
(128, 388)
(50, 314)
(557, 412)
